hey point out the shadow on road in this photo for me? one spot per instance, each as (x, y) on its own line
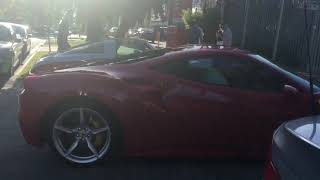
(3, 80)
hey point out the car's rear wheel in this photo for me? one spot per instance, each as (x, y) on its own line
(81, 134)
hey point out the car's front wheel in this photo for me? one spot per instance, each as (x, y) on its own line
(81, 134)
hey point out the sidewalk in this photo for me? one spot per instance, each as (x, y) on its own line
(12, 81)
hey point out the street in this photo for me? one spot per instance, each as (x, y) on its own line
(21, 161)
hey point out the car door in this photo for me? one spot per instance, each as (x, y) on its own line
(202, 105)
(223, 101)
(261, 97)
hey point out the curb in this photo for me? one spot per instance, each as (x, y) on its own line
(12, 81)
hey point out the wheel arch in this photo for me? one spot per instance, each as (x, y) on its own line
(44, 123)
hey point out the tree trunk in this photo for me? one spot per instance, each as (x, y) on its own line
(95, 31)
(95, 21)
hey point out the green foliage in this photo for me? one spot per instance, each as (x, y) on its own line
(191, 18)
(25, 71)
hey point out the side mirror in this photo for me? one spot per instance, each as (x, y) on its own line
(29, 35)
(290, 90)
(18, 38)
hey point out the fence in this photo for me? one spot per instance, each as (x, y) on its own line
(276, 29)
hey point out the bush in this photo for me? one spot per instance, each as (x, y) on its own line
(209, 20)
(191, 18)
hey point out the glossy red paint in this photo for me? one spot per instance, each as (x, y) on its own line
(164, 115)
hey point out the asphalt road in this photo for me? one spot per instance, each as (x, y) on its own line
(18, 160)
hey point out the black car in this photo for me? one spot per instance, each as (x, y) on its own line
(11, 46)
(146, 33)
(23, 31)
(295, 152)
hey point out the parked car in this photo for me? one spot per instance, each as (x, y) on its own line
(133, 33)
(295, 151)
(24, 32)
(146, 33)
(113, 31)
(197, 101)
(11, 46)
(103, 52)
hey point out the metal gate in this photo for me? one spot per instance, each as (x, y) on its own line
(276, 29)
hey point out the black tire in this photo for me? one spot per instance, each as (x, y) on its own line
(106, 114)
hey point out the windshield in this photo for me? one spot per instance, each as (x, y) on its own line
(19, 30)
(5, 34)
(300, 77)
(141, 56)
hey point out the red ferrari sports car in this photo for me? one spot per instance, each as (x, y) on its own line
(199, 101)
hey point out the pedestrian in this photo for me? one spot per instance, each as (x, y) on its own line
(196, 34)
(62, 39)
(219, 35)
(227, 36)
(201, 38)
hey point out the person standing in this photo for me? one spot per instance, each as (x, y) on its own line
(201, 38)
(196, 34)
(227, 36)
(62, 39)
(219, 35)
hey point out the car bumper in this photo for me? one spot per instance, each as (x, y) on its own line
(30, 118)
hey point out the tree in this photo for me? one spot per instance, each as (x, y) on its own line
(92, 13)
(130, 11)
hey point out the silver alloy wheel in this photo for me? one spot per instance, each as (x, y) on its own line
(78, 142)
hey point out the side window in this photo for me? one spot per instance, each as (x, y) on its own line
(126, 51)
(227, 71)
(97, 48)
(199, 70)
(264, 79)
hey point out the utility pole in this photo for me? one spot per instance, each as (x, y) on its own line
(222, 11)
(49, 25)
